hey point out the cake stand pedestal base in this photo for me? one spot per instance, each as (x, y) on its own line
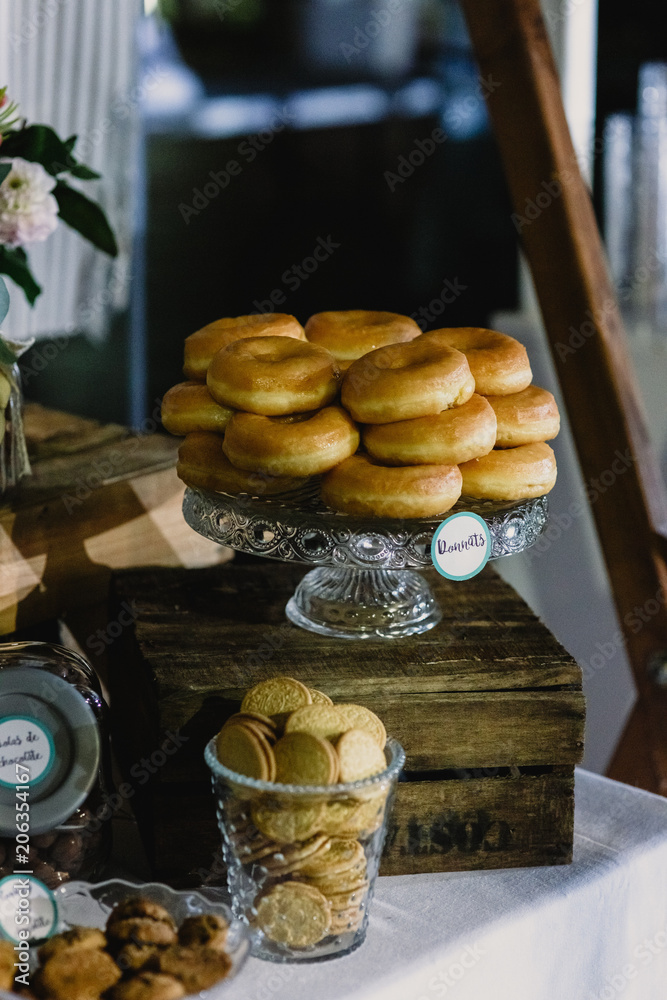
(363, 603)
(364, 586)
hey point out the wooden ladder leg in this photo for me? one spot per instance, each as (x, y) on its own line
(585, 331)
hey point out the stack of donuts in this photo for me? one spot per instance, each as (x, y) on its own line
(398, 423)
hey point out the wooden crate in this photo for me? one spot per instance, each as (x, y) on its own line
(487, 705)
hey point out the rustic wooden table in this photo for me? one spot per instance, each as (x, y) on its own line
(100, 498)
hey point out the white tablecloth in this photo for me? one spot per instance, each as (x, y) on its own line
(592, 930)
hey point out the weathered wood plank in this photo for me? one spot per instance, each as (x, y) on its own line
(463, 729)
(489, 639)
(50, 433)
(480, 823)
(89, 464)
(435, 826)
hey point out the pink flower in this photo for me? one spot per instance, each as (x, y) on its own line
(28, 210)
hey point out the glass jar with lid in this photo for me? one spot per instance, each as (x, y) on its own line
(54, 750)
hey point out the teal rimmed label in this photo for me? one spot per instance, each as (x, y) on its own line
(461, 546)
(26, 747)
(28, 910)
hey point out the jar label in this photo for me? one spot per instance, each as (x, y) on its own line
(461, 546)
(28, 911)
(26, 747)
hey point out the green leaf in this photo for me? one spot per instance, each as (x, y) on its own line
(86, 217)
(84, 173)
(7, 356)
(14, 264)
(40, 144)
(4, 300)
(5, 168)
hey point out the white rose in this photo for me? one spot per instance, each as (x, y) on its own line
(28, 210)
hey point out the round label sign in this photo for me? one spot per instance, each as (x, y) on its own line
(26, 747)
(28, 910)
(461, 546)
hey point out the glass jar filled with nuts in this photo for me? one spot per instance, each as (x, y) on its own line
(54, 765)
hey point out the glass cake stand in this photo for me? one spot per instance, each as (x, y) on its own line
(365, 584)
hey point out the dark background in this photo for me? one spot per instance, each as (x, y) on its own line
(449, 220)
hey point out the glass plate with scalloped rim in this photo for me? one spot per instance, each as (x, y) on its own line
(89, 904)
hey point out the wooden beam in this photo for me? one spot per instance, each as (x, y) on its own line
(554, 216)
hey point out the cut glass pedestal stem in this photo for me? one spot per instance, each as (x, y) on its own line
(363, 603)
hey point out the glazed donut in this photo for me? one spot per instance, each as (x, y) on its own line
(447, 438)
(511, 473)
(298, 445)
(362, 486)
(498, 363)
(189, 406)
(273, 376)
(351, 333)
(525, 417)
(404, 381)
(201, 346)
(202, 463)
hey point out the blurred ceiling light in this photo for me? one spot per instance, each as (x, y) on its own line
(224, 116)
(333, 106)
(419, 97)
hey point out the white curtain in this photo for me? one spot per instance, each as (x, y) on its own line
(72, 64)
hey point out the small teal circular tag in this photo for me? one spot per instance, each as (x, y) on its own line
(461, 546)
(28, 909)
(26, 748)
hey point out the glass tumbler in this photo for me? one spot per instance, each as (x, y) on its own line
(302, 859)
